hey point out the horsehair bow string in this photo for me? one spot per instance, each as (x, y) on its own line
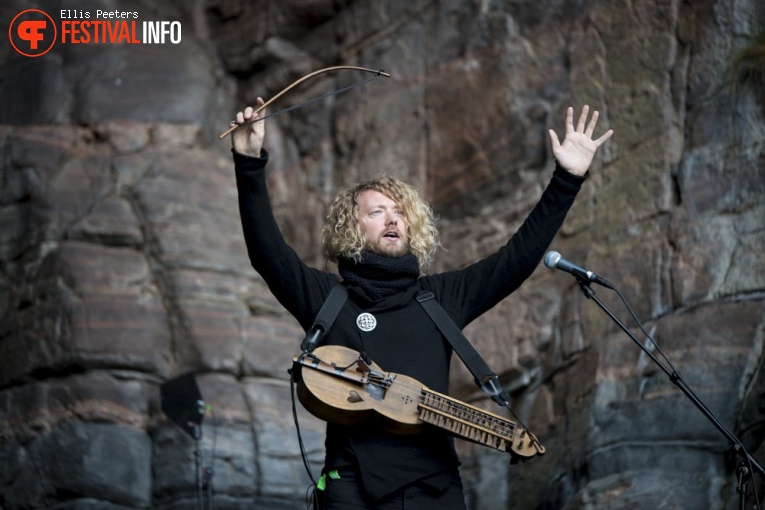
(294, 84)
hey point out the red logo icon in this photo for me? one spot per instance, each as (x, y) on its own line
(32, 33)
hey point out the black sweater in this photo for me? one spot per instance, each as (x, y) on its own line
(405, 339)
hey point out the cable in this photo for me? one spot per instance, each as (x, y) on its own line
(311, 496)
(634, 317)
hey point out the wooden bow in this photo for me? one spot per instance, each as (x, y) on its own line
(295, 84)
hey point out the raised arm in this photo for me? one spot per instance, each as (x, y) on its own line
(468, 293)
(299, 288)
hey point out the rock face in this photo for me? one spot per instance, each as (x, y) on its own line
(122, 263)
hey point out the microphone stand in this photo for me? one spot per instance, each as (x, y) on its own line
(744, 473)
(207, 483)
(203, 474)
(198, 464)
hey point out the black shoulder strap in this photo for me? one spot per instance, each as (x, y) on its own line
(484, 377)
(325, 318)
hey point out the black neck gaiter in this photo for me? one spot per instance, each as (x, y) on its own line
(380, 276)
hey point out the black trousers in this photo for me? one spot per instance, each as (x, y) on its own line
(347, 493)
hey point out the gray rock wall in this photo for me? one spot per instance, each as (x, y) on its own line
(122, 263)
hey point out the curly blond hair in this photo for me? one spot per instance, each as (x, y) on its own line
(342, 234)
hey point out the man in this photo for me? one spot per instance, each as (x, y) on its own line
(382, 234)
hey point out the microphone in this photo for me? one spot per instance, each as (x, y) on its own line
(553, 260)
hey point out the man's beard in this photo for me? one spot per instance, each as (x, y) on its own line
(380, 247)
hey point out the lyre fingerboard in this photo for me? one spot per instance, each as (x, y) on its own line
(466, 421)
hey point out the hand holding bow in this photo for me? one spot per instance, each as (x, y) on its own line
(248, 138)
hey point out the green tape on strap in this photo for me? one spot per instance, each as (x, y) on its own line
(322, 483)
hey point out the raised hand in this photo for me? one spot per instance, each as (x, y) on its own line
(578, 148)
(248, 139)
